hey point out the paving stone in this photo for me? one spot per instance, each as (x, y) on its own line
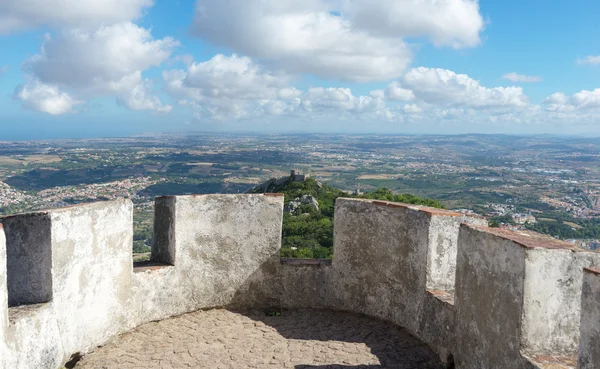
(312, 339)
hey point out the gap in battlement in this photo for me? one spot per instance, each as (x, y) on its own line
(28, 258)
(163, 240)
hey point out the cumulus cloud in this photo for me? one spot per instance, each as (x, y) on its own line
(233, 87)
(233, 77)
(396, 92)
(227, 78)
(582, 100)
(82, 59)
(445, 87)
(136, 93)
(590, 60)
(229, 87)
(106, 62)
(515, 77)
(16, 15)
(333, 39)
(455, 23)
(412, 109)
(45, 98)
(339, 99)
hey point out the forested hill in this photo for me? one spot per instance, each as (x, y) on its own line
(308, 216)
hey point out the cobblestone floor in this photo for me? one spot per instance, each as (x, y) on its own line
(295, 339)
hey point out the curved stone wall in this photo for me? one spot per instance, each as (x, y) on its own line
(480, 297)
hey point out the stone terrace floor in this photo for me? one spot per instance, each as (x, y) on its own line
(294, 339)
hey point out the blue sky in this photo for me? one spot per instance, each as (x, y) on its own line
(120, 67)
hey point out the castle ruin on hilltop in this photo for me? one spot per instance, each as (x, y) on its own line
(479, 297)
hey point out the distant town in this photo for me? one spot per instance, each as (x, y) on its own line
(547, 184)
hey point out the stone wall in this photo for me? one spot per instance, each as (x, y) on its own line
(221, 250)
(3, 295)
(480, 297)
(225, 250)
(589, 349)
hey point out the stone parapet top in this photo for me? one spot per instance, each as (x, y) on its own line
(306, 262)
(270, 194)
(16, 313)
(553, 361)
(442, 295)
(89, 205)
(426, 209)
(528, 239)
(274, 194)
(592, 271)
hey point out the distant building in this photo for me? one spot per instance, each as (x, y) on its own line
(523, 218)
(296, 176)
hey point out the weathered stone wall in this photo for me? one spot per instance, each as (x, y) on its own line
(489, 295)
(589, 348)
(392, 261)
(518, 297)
(223, 250)
(83, 254)
(553, 288)
(3, 297)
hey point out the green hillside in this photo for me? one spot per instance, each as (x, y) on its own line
(308, 228)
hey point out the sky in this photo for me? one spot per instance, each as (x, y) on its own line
(72, 68)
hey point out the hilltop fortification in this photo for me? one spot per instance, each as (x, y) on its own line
(479, 297)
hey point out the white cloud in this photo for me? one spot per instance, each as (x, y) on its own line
(412, 109)
(339, 99)
(310, 37)
(227, 85)
(80, 59)
(3, 70)
(396, 92)
(16, 15)
(135, 93)
(105, 62)
(445, 87)
(582, 100)
(233, 87)
(515, 77)
(591, 60)
(48, 99)
(455, 23)
(233, 77)
(288, 93)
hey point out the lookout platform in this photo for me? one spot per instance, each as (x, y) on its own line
(295, 339)
(466, 295)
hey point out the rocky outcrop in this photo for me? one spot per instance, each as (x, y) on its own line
(294, 205)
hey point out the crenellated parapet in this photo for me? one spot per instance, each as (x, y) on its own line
(518, 299)
(480, 297)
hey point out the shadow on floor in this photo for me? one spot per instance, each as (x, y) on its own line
(393, 346)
